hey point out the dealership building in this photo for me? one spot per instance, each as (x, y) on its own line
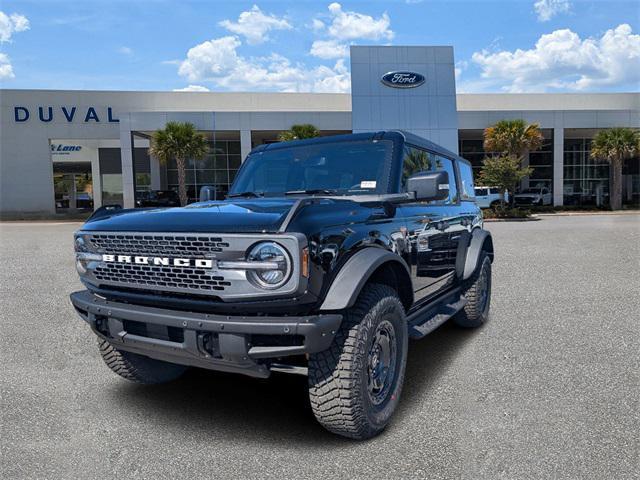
(64, 151)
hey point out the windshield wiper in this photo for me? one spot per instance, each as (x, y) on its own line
(246, 194)
(312, 191)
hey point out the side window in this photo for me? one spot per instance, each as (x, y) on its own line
(443, 163)
(466, 181)
(415, 161)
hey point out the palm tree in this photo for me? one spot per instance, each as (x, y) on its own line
(299, 132)
(514, 138)
(179, 141)
(615, 145)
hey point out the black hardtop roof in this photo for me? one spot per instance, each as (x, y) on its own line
(401, 135)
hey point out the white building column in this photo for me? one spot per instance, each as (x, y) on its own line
(245, 143)
(558, 166)
(126, 158)
(96, 180)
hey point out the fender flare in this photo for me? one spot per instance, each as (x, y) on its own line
(480, 240)
(354, 274)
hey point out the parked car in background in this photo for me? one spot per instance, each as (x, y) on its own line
(157, 198)
(489, 197)
(534, 196)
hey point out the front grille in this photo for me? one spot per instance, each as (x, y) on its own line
(184, 278)
(159, 245)
(159, 277)
(171, 263)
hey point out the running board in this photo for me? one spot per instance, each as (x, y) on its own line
(425, 321)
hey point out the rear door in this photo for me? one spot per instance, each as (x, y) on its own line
(433, 228)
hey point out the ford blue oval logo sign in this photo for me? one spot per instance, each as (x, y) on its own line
(402, 79)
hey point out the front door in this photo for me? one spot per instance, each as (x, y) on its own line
(434, 229)
(73, 187)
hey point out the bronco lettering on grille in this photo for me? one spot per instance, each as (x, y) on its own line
(159, 261)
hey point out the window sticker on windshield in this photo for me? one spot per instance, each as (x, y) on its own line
(368, 184)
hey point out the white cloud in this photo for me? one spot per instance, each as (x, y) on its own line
(347, 26)
(10, 24)
(125, 51)
(547, 9)
(562, 60)
(352, 25)
(317, 25)
(218, 61)
(254, 25)
(460, 66)
(210, 58)
(192, 88)
(6, 70)
(329, 49)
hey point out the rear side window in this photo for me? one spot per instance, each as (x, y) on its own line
(495, 191)
(466, 182)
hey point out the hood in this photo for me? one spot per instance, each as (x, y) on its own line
(256, 215)
(238, 215)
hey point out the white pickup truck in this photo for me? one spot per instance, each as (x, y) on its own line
(534, 196)
(489, 197)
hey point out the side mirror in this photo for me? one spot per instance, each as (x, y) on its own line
(207, 193)
(429, 185)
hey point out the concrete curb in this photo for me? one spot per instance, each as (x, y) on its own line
(570, 214)
(515, 219)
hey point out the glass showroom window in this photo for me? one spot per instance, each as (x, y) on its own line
(586, 181)
(142, 169)
(217, 169)
(472, 149)
(542, 163)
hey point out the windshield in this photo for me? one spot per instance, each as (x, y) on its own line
(340, 168)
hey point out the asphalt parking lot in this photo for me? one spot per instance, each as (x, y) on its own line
(549, 388)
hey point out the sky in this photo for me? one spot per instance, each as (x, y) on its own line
(303, 46)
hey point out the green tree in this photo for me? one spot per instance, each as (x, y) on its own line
(179, 141)
(615, 145)
(514, 138)
(504, 172)
(299, 132)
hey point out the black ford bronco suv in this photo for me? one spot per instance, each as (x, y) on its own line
(325, 258)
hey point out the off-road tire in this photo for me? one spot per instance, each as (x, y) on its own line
(495, 204)
(138, 368)
(339, 376)
(476, 311)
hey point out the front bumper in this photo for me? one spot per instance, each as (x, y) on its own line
(238, 344)
(526, 200)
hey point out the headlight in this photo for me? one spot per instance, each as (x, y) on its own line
(272, 265)
(80, 245)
